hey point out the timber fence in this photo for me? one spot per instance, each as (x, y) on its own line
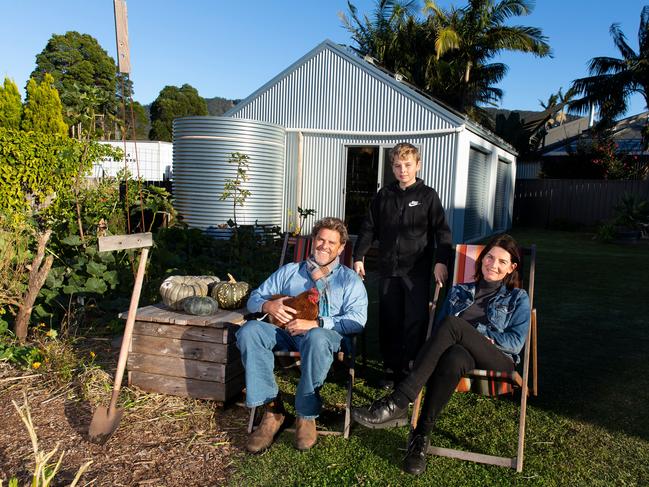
(545, 202)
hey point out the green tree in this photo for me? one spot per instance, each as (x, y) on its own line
(612, 81)
(447, 53)
(174, 102)
(141, 120)
(35, 188)
(43, 110)
(11, 106)
(80, 67)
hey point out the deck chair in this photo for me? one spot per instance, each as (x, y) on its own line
(491, 382)
(301, 248)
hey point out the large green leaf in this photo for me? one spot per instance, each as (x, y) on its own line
(72, 289)
(73, 240)
(111, 278)
(96, 269)
(95, 285)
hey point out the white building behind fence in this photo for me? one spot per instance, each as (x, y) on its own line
(153, 161)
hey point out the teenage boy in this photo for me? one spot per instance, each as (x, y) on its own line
(408, 220)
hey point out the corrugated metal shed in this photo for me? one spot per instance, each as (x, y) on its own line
(331, 100)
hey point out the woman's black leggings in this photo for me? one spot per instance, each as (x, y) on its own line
(454, 349)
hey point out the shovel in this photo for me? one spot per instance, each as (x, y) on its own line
(106, 420)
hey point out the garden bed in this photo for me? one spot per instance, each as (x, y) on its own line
(161, 440)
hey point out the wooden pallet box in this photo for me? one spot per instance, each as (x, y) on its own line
(176, 353)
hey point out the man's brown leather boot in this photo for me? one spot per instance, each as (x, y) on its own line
(305, 434)
(271, 422)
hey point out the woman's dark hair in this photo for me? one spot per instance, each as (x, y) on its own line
(505, 242)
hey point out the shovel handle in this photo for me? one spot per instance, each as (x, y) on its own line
(128, 330)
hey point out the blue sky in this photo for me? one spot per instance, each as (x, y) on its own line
(230, 49)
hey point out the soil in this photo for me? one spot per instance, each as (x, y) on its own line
(161, 440)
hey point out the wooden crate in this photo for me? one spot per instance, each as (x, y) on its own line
(176, 353)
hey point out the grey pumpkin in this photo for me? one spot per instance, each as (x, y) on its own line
(200, 305)
(210, 281)
(175, 289)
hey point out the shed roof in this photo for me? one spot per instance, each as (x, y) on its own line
(442, 110)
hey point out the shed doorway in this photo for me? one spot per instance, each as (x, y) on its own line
(368, 169)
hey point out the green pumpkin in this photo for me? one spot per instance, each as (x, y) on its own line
(175, 289)
(200, 305)
(231, 294)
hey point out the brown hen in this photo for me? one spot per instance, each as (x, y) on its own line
(305, 303)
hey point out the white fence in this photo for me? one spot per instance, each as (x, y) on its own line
(154, 159)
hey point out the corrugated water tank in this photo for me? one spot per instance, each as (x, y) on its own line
(201, 149)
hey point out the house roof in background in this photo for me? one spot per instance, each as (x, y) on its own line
(627, 134)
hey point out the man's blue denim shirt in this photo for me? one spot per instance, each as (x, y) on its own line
(346, 294)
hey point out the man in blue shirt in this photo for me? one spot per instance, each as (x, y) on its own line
(342, 311)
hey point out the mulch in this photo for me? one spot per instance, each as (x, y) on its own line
(161, 440)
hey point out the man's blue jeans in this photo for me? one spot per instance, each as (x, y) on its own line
(257, 340)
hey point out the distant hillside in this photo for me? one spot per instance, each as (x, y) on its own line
(522, 114)
(215, 106)
(218, 106)
(518, 127)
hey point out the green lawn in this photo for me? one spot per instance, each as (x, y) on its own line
(588, 426)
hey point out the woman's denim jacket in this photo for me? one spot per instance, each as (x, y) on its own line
(508, 315)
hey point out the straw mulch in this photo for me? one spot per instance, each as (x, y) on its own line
(161, 441)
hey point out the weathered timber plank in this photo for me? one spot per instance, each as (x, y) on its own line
(124, 242)
(179, 367)
(198, 333)
(187, 349)
(159, 313)
(121, 29)
(178, 386)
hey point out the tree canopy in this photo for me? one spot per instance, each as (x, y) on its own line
(43, 110)
(84, 74)
(174, 102)
(11, 107)
(141, 120)
(447, 53)
(612, 81)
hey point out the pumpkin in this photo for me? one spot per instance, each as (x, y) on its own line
(176, 288)
(200, 305)
(230, 294)
(209, 282)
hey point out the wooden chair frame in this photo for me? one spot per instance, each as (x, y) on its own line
(530, 351)
(302, 247)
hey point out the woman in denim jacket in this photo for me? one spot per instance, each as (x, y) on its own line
(481, 325)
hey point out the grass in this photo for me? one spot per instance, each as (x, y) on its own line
(588, 426)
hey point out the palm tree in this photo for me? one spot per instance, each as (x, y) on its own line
(471, 36)
(613, 80)
(447, 53)
(382, 35)
(550, 105)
